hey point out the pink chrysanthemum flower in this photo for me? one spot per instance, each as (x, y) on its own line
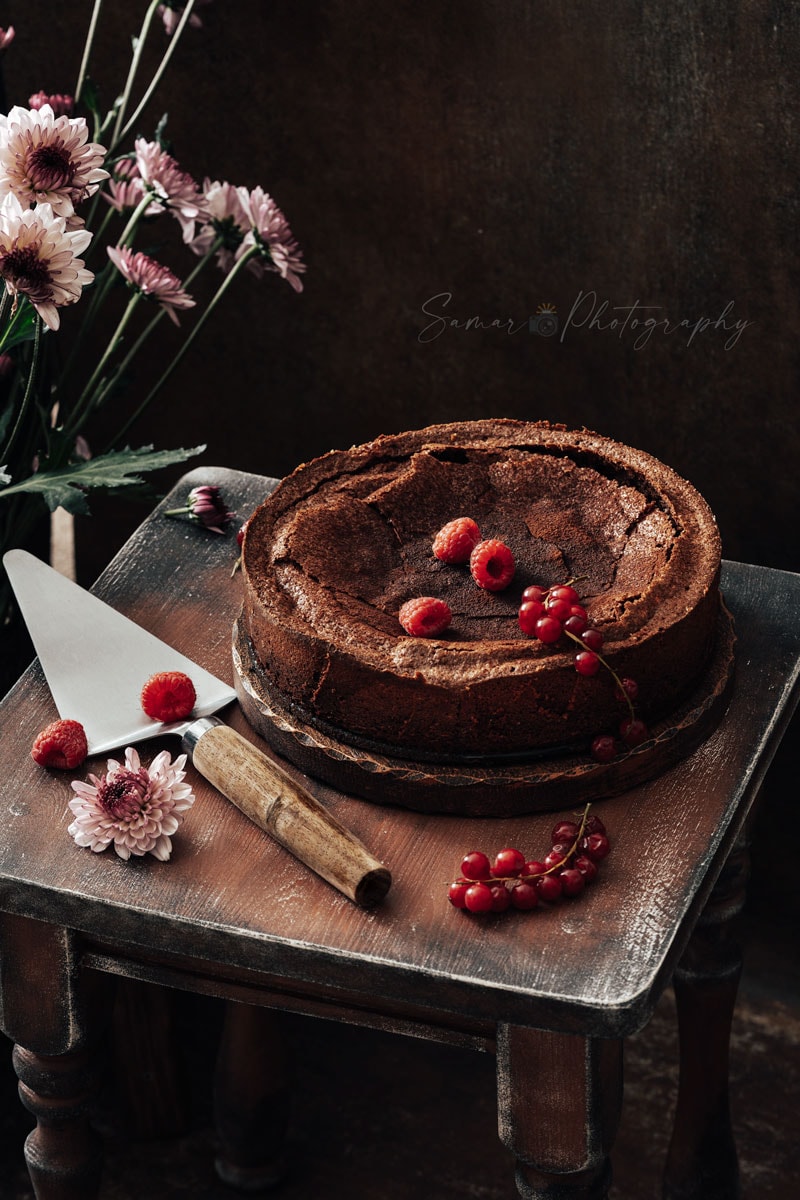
(170, 13)
(151, 278)
(137, 808)
(226, 218)
(6, 37)
(171, 188)
(39, 258)
(45, 159)
(62, 105)
(125, 187)
(270, 233)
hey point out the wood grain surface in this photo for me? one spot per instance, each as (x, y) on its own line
(233, 899)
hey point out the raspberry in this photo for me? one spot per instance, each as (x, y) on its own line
(168, 696)
(425, 616)
(492, 565)
(61, 744)
(456, 540)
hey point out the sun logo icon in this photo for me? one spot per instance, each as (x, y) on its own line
(545, 323)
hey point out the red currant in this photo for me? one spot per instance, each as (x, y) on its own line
(587, 663)
(593, 824)
(587, 867)
(548, 629)
(575, 623)
(592, 638)
(595, 846)
(560, 609)
(565, 831)
(476, 865)
(633, 731)
(629, 689)
(508, 862)
(555, 859)
(572, 881)
(534, 867)
(565, 592)
(549, 888)
(529, 613)
(534, 592)
(478, 898)
(524, 896)
(501, 897)
(457, 892)
(604, 748)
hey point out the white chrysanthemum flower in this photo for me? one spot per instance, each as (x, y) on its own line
(45, 159)
(136, 808)
(39, 258)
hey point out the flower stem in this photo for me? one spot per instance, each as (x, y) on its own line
(87, 49)
(86, 397)
(148, 329)
(154, 82)
(220, 292)
(26, 399)
(138, 47)
(578, 642)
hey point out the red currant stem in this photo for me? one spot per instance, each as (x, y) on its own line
(526, 878)
(609, 668)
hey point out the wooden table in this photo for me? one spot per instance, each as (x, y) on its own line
(233, 915)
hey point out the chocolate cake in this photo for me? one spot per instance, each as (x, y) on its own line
(345, 540)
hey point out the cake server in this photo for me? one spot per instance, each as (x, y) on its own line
(96, 661)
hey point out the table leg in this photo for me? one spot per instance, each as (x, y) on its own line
(62, 1154)
(43, 1003)
(251, 1098)
(702, 1163)
(559, 1100)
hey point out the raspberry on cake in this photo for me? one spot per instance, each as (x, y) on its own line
(425, 616)
(456, 540)
(492, 565)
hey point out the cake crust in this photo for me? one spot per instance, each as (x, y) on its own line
(345, 540)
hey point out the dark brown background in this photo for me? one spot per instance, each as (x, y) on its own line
(510, 154)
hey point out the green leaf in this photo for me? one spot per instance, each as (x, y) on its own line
(90, 97)
(22, 327)
(67, 487)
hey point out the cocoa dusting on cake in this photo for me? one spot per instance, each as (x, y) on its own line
(346, 540)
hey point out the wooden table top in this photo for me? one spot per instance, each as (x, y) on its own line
(240, 903)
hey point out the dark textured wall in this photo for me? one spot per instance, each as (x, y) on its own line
(505, 155)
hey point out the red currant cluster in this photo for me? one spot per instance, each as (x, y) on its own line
(512, 882)
(552, 613)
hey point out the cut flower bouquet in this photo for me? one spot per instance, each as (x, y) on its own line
(78, 187)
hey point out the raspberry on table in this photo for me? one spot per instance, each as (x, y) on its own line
(456, 540)
(492, 565)
(168, 696)
(60, 744)
(425, 616)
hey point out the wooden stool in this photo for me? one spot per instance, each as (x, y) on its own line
(233, 915)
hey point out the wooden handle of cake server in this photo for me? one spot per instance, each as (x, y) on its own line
(268, 796)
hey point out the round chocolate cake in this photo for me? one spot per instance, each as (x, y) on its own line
(332, 555)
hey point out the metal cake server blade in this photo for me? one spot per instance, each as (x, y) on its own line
(96, 661)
